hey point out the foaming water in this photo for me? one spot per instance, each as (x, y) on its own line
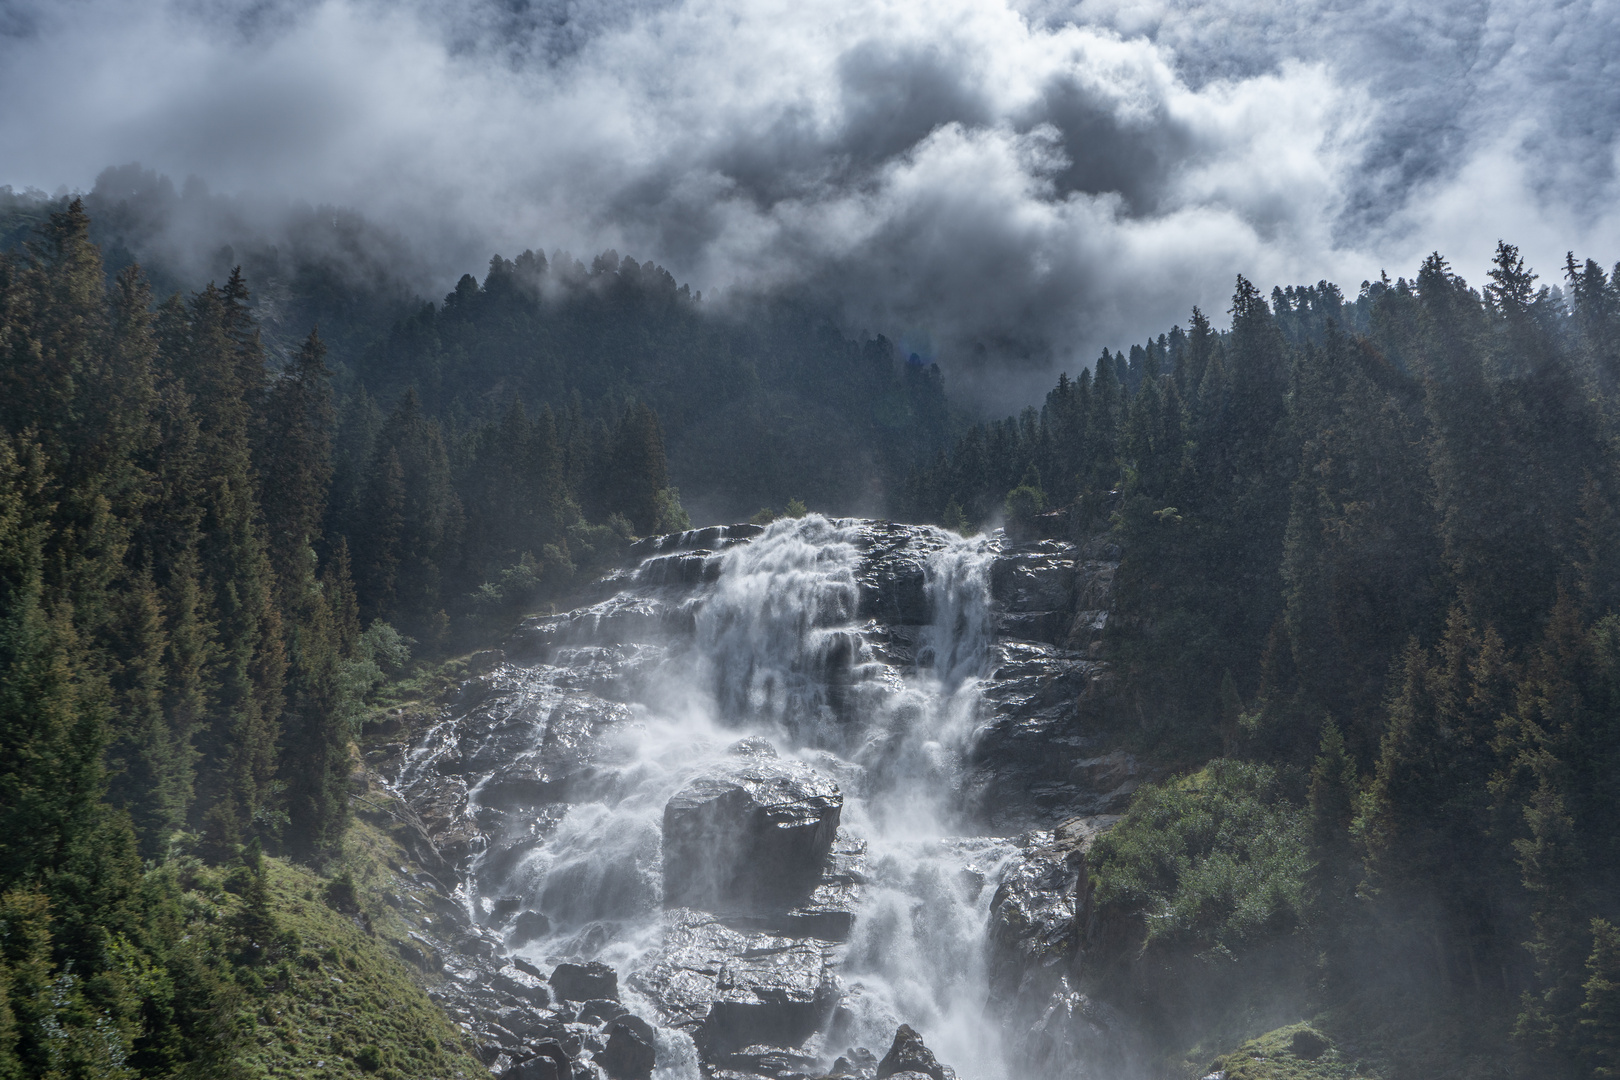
(778, 620)
(917, 953)
(776, 650)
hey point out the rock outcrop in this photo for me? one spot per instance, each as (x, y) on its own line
(908, 1056)
(1043, 931)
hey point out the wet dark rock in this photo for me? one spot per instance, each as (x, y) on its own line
(829, 911)
(568, 1038)
(501, 908)
(485, 660)
(892, 577)
(600, 1011)
(520, 984)
(779, 994)
(1039, 911)
(776, 1062)
(1073, 1027)
(909, 1055)
(545, 1061)
(687, 568)
(585, 982)
(861, 1061)
(1035, 764)
(753, 746)
(1032, 587)
(413, 955)
(527, 1023)
(713, 537)
(637, 615)
(474, 944)
(1042, 930)
(753, 836)
(629, 1054)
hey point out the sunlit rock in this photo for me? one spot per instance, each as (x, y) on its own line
(730, 989)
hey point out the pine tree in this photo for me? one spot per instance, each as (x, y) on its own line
(247, 672)
(1335, 871)
(1600, 1013)
(315, 754)
(410, 528)
(636, 470)
(52, 719)
(297, 473)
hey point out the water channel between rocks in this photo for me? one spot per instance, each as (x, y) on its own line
(774, 781)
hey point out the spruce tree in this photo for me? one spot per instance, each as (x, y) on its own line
(247, 673)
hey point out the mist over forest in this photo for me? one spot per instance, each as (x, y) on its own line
(1012, 185)
(720, 540)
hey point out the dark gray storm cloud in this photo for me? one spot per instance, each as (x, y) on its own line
(1013, 184)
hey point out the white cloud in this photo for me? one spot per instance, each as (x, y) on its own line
(1036, 179)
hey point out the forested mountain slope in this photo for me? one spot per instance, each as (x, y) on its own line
(1368, 569)
(1371, 551)
(761, 400)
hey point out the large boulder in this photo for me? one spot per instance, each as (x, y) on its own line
(545, 1061)
(629, 1054)
(585, 982)
(776, 994)
(750, 836)
(909, 1055)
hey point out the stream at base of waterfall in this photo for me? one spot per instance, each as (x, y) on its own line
(784, 790)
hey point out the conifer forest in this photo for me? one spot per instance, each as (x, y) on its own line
(789, 657)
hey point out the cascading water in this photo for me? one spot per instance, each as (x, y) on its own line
(770, 657)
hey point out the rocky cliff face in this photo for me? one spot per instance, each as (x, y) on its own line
(785, 790)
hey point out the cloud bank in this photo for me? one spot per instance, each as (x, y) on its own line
(1009, 184)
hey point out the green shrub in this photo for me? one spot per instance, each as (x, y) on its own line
(1213, 862)
(341, 894)
(1024, 504)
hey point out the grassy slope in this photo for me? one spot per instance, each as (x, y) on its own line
(345, 992)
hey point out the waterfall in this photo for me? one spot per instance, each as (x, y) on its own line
(773, 647)
(768, 634)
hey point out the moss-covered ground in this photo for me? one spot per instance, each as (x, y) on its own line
(1302, 1051)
